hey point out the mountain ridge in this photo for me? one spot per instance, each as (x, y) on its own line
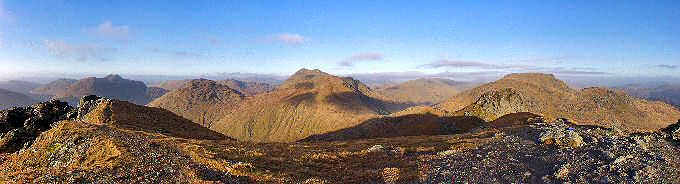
(546, 95)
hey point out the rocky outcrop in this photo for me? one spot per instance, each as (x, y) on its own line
(494, 104)
(673, 130)
(19, 126)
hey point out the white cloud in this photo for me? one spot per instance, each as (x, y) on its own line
(366, 56)
(77, 52)
(660, 66)
(445, 63)
(108, 30)
(410, 75)
(285, 38)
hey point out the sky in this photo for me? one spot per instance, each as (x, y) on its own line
(387, 38)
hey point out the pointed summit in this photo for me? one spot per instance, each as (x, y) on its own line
(113, 77)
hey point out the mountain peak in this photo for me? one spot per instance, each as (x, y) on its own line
(529, 76)
(541, 79)
(307, 72)
(201, 101)
(113, 77)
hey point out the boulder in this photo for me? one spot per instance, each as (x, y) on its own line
(674, 131)
(562, 135)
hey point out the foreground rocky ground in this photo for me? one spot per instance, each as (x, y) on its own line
(516, 148)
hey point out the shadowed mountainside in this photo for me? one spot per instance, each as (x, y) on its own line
(24, 88)
(111, 86)
(18, 86)
(399, 126)
(10, 99)
(545, 95)
(201, 101)
(246, 88)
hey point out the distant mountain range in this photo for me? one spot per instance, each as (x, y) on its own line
(246, 88)
(426, 91)
(665, 92)
(10, 99)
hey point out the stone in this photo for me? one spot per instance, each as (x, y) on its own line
(561, 135)
(563, 172)
(376, 148)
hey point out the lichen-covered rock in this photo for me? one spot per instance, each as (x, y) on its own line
(376, 148)
(675, 131)
(494, 104)
(562, 135)
(86, 104)
(19, 126)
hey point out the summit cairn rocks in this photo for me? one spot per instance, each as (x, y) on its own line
(562, 135)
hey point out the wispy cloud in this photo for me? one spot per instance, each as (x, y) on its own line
(108, 30)
(445, 63)
(285, 38)
(366, 56)
(668, 66)
(410, 75)
(77, 52)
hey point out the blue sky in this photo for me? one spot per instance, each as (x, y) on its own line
(585, 38)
